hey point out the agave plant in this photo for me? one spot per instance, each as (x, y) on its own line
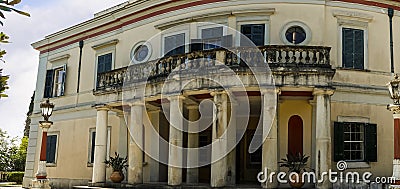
(295, 162)
(117, 163)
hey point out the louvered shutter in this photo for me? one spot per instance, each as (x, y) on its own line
(338, 142)
(48, 89)
(347, 47)
(358, 49)
(370, 143)
(51, 148)
(64, 75)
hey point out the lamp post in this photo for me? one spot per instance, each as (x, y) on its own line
(41, 180)
(394, 91)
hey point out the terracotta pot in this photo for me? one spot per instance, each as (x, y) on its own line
(117, 177)
(295, 184)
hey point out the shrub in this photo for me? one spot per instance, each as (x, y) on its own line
(15, 177)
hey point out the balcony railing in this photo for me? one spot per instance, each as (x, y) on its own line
(237, 58)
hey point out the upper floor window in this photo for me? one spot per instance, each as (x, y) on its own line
(254, 32)
(141, 52)
(104, 63)
(353, 48)
(355, 141)
(174, 44)
(212, 37)
(295, 34)
(55, 82)
(51, 149)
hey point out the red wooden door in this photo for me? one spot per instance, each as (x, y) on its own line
(295, 135)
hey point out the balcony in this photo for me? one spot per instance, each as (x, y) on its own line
(290, 65)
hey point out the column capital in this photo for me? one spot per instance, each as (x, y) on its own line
(276, 90)
(120, 114)
(395, 109)
(217, 92)
(176, 97)
(100, 107)
(136, 103)
(319, 91)
(45, 125)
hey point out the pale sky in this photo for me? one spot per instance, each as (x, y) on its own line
(22, 60)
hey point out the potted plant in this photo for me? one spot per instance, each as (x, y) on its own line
(118, 164)
(297, 163)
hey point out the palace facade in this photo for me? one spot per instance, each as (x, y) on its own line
(323, 93)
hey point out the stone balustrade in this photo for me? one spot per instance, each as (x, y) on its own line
(237, 58)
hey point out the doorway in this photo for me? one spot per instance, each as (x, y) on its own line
(295, 135)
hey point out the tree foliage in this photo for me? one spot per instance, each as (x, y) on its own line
(12, 156)
(28, 116)
(6, 6)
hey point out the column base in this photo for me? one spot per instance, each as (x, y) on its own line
(41, 183)
(41, 173)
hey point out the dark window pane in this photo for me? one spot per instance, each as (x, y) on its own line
(93, 142)
(212, 32)
(174, 44)
(104, 63)
(254, 33)
(51, 148)
(353, 48)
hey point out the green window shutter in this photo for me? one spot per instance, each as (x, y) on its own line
(359, 49)
(352, 48)
(338, 142)
(64, 75)
(48, 89)
(370, 143)
(51, 148)
(104, 63)
(347, 47)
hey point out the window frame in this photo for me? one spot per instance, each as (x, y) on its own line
(370, 129)
(102, 49)
(266, 30)
(90, 144)
(186, 42)
(303, 25)
(137, 45)
(56, 149)
(340, 45)
(53, 82)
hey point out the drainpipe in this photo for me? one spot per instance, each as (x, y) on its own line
(79, 65)
(390, 14)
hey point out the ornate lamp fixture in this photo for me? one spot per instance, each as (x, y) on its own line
(47, 109)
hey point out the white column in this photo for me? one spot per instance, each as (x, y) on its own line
(231, 161)
(322, 134)
(123, 136)
(270, 134)
(155, 146)
(135, 157)
(193, 142)
(100, 149)
(175, 160)
(219, 140)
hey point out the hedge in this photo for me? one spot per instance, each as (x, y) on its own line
(15, 177)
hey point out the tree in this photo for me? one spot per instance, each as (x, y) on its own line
(28, 116)
(6, 6)
(6, 151)
(18, 157)
(12, 156)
